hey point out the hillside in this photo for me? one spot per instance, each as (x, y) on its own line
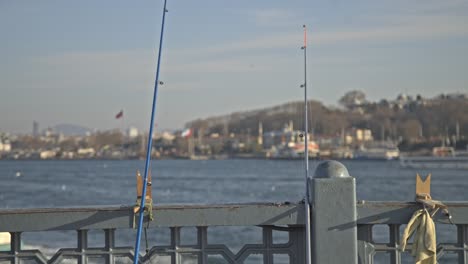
(403, 118)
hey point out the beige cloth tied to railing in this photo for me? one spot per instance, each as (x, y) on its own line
(424, 243)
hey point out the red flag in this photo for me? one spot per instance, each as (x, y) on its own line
(119, 114)
(186, 133)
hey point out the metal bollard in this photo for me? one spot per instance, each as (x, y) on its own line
(333, 201)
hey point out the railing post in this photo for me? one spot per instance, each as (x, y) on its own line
(333, 201)
(109, 245)
(15, 246)
(82, 246)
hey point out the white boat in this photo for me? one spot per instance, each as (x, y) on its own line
(293, 150)
(383, 152)
(442, 157)
(340, 153)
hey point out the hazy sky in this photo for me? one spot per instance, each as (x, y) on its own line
(81, 62)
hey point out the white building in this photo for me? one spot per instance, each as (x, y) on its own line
(48, 154)
(86, 151)
(132, 132)
(364, 135)
(5, 146)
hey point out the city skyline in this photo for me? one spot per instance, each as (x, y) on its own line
(82, 62)
(402, 100)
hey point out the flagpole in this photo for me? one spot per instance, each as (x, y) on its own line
(122, 125)
(150, 141)
(120, 115)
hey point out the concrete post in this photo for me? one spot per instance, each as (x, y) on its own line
(333, 201)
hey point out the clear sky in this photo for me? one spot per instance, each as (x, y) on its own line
(81, 62)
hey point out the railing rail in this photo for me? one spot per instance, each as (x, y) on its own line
(106, 217)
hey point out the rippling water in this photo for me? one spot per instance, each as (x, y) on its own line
(96, 182)
(27, 184)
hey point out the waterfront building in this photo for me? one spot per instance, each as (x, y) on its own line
(132, 132)
(5, 146)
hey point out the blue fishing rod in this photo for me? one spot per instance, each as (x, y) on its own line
(150, 143)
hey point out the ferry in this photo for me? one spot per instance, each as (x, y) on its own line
(293, 150)
(377, 152)
(442, 157)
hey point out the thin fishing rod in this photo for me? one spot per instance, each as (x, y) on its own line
(306, 154)
(150, 142)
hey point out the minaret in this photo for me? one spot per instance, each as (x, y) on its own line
(201, 131)
(226, 128)
(260, 134)
(35, 131)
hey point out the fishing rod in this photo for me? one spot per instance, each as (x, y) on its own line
(306, 154)
(150, 142)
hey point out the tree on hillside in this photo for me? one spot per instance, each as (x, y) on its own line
(353, 99)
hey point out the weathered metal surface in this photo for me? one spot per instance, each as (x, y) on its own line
(379, 212)
(21, 220)
(368, 212)
(334, 229)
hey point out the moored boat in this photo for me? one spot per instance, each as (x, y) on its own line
(377, 152)
(442, 157)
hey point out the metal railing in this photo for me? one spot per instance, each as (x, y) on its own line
(389, 220)
(284, 218)
(343, 230)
